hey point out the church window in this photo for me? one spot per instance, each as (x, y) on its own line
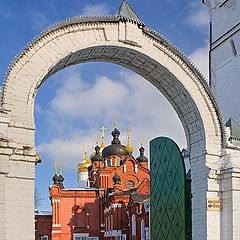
(234, 51)
(133, 225)
(111, 222)
(118, 161)
(130, 184)
(109, 162)
(80, 236)
(142, 230)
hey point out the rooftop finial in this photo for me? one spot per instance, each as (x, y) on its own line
(61, 164)
(125, 11)
(55, 168)
(85, 156)
(129, 148)
(142, 138)
(115, 116)
(97, 137)
(103, 144)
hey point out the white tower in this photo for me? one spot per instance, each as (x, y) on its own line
(225, 55)
(83, 171)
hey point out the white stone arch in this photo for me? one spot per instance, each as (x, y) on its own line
(127, 43)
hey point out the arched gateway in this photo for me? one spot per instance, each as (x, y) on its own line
(123, 40)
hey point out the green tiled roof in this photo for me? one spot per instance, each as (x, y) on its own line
(126, 11)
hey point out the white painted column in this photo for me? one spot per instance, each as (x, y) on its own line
(230, 186)
(205, 224)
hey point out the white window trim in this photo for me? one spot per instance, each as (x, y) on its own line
(75, 235)
(133, 225)
(142, 230)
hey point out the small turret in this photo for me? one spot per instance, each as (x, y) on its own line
(60, 178)
(116, 179)
(115, 148)
(55, 177)
(97, 160)
(142, 160)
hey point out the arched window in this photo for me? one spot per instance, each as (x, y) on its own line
(118, 161)
(109, 162)
(133, 225)
(142, 230)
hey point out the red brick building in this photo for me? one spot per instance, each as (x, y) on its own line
(43, 225)
(114, 206)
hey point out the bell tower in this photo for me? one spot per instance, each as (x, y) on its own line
(224, 55)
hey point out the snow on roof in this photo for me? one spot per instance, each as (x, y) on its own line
(43, 212)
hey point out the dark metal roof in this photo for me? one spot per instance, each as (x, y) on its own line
(114, 149)
(234, 127)
(137, 197)
(126, 11)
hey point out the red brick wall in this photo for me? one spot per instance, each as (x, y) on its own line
(43, 226)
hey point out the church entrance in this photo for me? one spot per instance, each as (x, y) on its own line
(170, 203)
(126, 41)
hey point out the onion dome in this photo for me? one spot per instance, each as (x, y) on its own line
(55, 179)
(97, 156)
(116, 179)
(60, 181)
(142, 158)
(83, 166)
(115, 148)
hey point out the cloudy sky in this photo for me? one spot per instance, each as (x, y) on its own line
(75, 103)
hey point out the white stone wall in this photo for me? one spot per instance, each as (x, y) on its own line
(225, 55)
(83, 180)
(126, 44)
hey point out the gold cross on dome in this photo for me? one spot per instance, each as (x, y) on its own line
(129, 132)
(103, 129)
(61, 164)
(115, 116)
(55, 167)
(97, 137)
(142, 138)
(85, 155)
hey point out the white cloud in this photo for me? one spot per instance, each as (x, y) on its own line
(98, 9)
(38, 20)
(200, 58)
(200, 18)
(139, 105)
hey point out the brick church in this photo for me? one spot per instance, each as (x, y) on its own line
(112, 201)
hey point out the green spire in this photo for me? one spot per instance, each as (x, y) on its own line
(126, 11)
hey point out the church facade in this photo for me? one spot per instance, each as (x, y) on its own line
(112, 203)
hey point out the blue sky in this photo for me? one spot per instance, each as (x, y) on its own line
(73, 104)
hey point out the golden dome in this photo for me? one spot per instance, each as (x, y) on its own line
(129, 148)
(83, 166)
